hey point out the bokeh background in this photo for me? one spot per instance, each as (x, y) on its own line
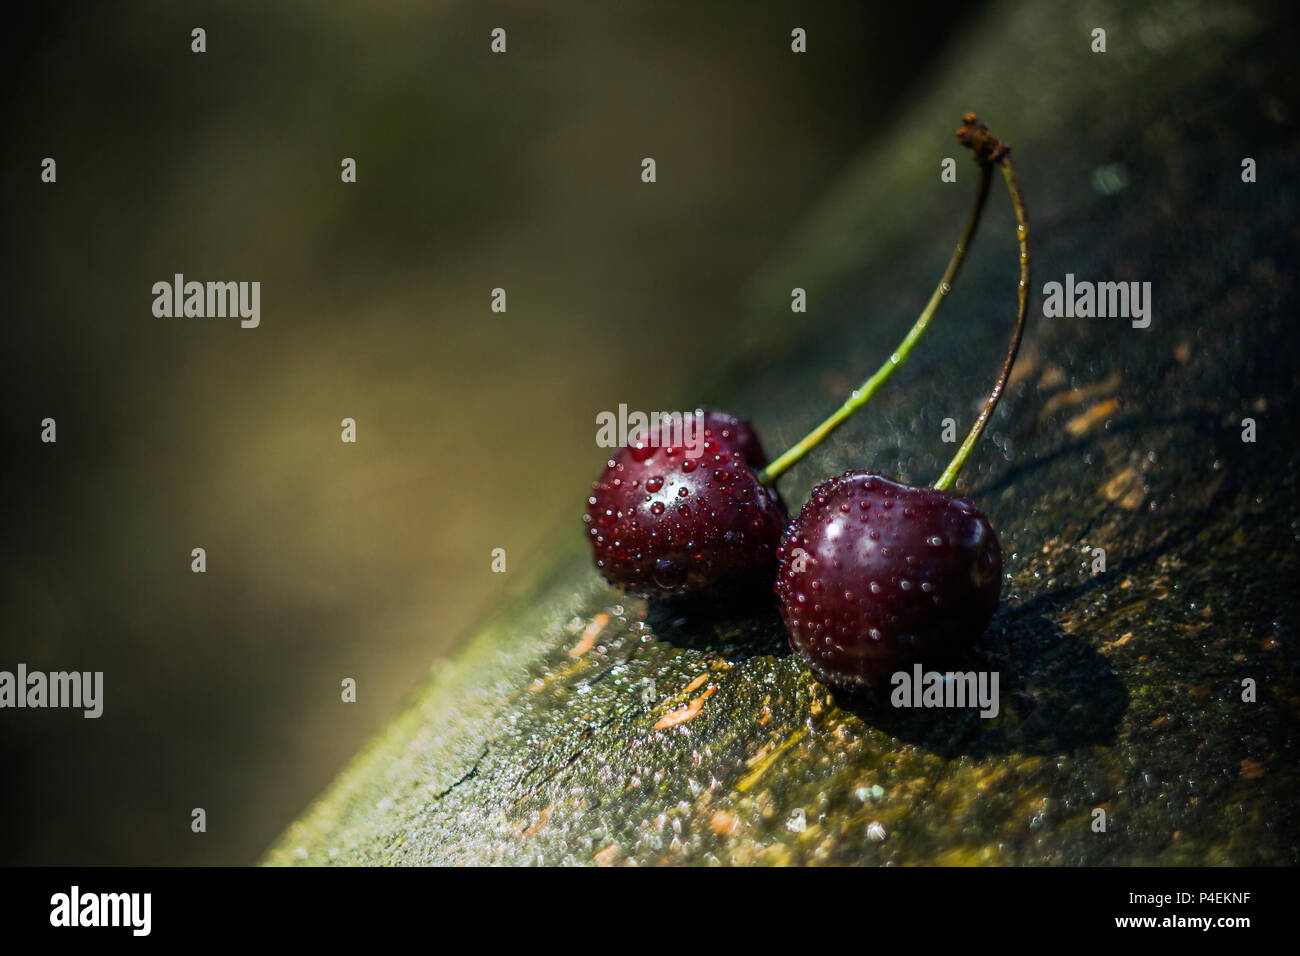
(475, 429)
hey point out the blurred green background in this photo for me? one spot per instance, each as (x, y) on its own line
(475, 429)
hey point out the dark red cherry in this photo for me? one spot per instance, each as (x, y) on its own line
(665, 524)
(876, 576)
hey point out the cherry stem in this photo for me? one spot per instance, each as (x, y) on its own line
(1003, 158)
(862, 394)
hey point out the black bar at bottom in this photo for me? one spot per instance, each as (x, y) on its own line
(539, 910)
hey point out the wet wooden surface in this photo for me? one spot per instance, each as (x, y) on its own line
(580, 726)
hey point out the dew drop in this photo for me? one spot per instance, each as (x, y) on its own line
(667, 574)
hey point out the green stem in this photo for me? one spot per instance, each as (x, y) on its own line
(949, 476)
(862, 394)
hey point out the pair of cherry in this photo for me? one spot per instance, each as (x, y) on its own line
(872, 575)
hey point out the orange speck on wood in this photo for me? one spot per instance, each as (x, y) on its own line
(1126, 488)
(537, 824)
(589, 635)
(1093, 417)
(1118, 642)
(683, 714)
(1252, 769)
(1077, 396)
(607, 856)
(693, 685)
(722, 823)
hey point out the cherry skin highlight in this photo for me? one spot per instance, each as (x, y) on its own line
(876, 576)
(665, 525)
